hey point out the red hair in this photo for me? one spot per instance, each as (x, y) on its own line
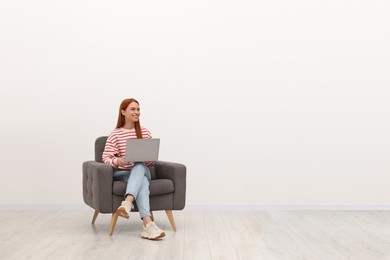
(121, 118)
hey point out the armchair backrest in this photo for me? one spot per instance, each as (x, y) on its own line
(100, 143)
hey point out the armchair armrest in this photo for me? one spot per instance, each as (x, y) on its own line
(177, 173)
(97, 186)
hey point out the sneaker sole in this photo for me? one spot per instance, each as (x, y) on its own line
(122, 213)
(155, 238)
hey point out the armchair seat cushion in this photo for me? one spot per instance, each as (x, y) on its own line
(157, 187)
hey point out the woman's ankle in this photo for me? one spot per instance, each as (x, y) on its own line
(146, 220)
(129, 198)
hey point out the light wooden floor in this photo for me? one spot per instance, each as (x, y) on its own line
(69, 234)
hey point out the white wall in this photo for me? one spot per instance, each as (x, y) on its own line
(265, 102)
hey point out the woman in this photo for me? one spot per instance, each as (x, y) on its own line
(136, 174)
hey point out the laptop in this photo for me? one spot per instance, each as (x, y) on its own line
(142, 150)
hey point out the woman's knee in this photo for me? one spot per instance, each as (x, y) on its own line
(138, 168)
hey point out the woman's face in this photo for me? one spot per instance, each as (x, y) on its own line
(132, 112)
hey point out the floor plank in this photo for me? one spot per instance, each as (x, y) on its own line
(266, 234)
(218, 237)
(244, 242)
(195, 236)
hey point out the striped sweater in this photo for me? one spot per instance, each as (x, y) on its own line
(116, 145)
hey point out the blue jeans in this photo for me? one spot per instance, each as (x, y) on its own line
(138, 180)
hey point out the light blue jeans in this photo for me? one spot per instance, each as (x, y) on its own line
(138, 180)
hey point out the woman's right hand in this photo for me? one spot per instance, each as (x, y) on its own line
(120, 161)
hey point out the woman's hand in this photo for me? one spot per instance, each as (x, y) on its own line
(120, 161)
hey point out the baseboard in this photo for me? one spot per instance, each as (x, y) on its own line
(288, 207)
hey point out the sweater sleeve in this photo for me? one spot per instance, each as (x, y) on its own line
(146, 134)
(110, 151)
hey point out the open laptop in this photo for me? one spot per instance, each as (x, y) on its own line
(142, 150)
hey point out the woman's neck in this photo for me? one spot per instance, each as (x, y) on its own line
(128, 125)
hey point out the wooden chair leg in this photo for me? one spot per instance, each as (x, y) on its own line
(95, 216)
(171, 220)
(114, 218)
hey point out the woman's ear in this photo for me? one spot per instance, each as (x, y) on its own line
(123, 112)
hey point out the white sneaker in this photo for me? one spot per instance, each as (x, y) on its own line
(124, 209)
(152, 231)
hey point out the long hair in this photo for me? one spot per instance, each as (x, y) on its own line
(121, 118)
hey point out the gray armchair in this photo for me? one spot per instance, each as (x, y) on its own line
(100, 192)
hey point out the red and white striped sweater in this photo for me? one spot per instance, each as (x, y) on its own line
(116, 145)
